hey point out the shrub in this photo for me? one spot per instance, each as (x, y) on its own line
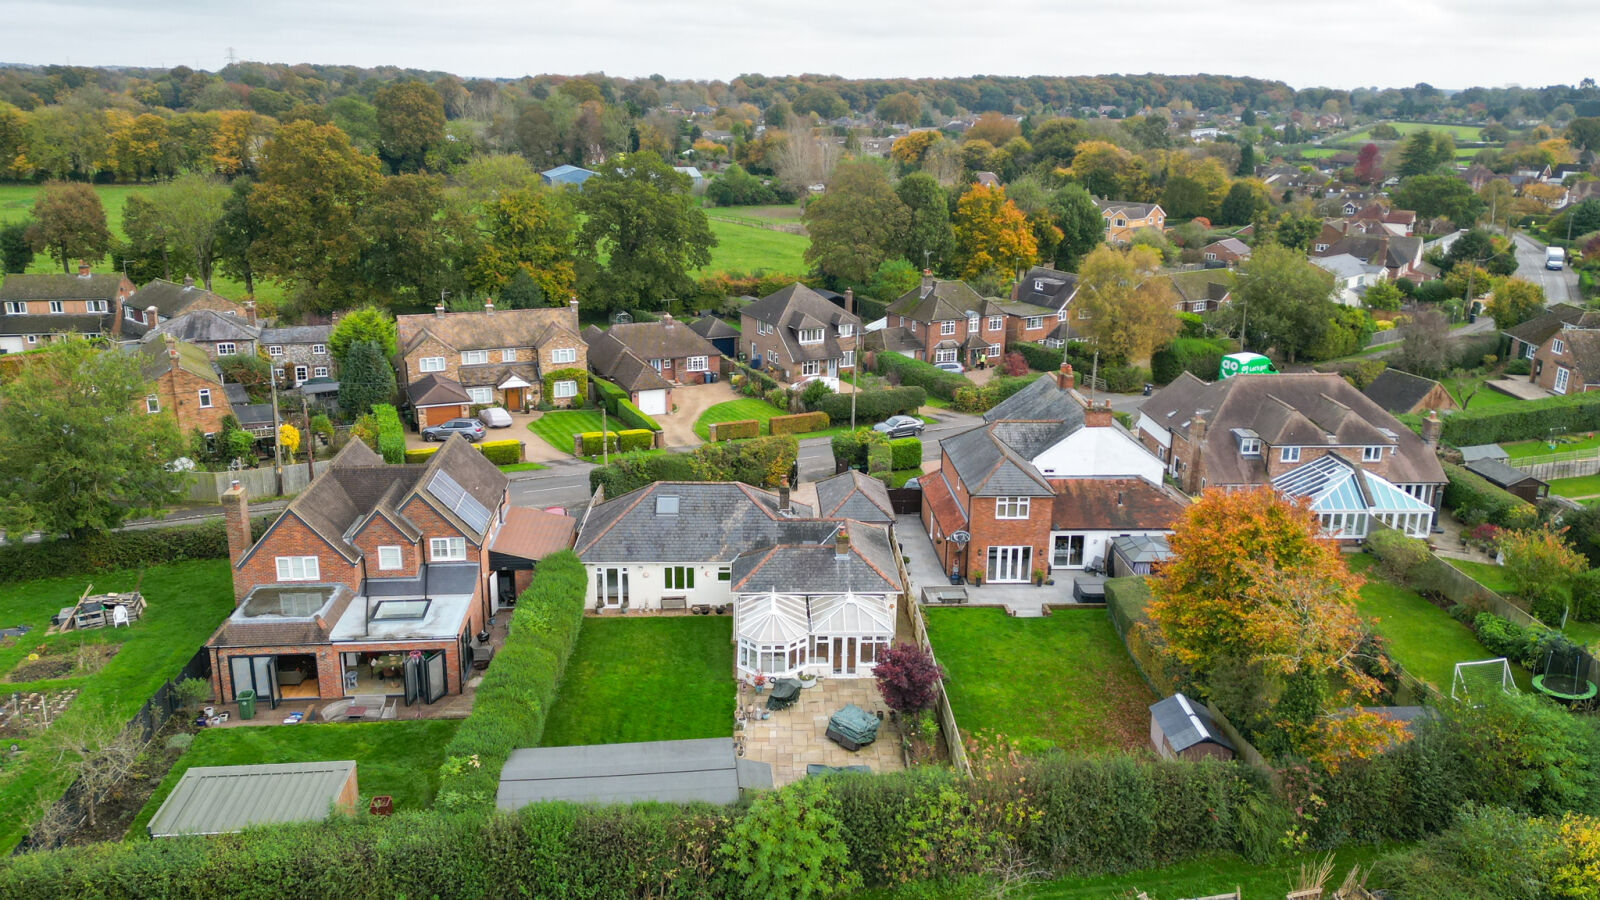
(763, 462)
(813, 393)
(1489, 853)
(850, 448)
(1519, 367)
(789, 845)
(800, 423)
(636, 439)
(391, 434)
(874, 406)
(1503, 637)
(778, 397)
(1039, 357)
(1400, 556)
(501, 453)
(117, 550)
(1525, 420)
(921, 374)
(908, 678)
(976, 399)
(740, 429)
(1200, 356)
(590, 441)
(880, 459)
(628, 473)
(512, 701)
(420, 454)
(1468, 491)
(1125, 379)
(907, 453)
(579, 375)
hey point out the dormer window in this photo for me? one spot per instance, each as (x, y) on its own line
(1250, 447)
(811, 335)
(846, 329)
(1288, 454)
(1371, 454)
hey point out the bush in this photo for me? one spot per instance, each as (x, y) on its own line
(800, 423)
(1489, 853)
(880, 459)
(1466, 491)
(1125, 379)
(1403, 558)
(789, 845)
(119, 550)
(813, 393)
(738, 430)
(629, 473)
(590, 441)
(511, 703)
(636, 439)
(1039, 357)
(501, 453)
(421, 454)
(1200, 356)
(1526, 420)
(908, 678)
(874, 406)
(763, 462)
(778, 396)
(391, 434)
(1519, 367)
(907, 453)
(579, 399)
(850, 448)
(921, 374)
(974, 398)
(1503, 637)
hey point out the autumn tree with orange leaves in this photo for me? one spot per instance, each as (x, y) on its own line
(1254, 595)
(991, 234)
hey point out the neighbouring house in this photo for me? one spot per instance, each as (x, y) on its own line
(1124, 219)
(947, 321)
(722, 336)
(1399, 257)
(36, 307)
(1514, 481)
(853, 495)
(1399, 222)
(298, 353)
(221, 334)
(185, 385)
(256, 418)
(797, 335)
(170, 299)
(1180, 728)
(986, 179)
(1228, 251)
(808, 594)
(697, 181)
(1351, 276)
(1528, 337)
(229, 799)
(1568, 362)
(561, 175)
(1043, 485)
(673, 353)
(1054, 290)
(1309, 435)
(1402, 392)
(1200, 290)
(374, 580)
(494, 357)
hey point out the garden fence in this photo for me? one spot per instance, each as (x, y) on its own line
(947, 717)
(208, 487)
(1548, 467)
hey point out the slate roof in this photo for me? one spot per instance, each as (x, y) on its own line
(1047, 287)
(481, 330)
(1344, 265)
(711, 328)
(1538, 329)
(812, 567)
(296, 334)
(1213, 285)
(894, 339)
(612, 360)
(713, 521)
(226, 799)
(1484, 451)
(154, 362)
(989, 467)
(852, 495)
(1186, 723)
(1128, 208)
(1114, 504)
(94, 286)
(942, 302)
(1300, 409)
(1500, 474)
(1231, 245)
(796, 306)
(85, 323)
(434, 389)
(206, 326)
(171, 298)
(1399, 392)
(1041, 400)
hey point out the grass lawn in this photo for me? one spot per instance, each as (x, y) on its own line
(524, 466)
(400, 759)
(1064, 681)
(1525, 449)
(1207, 876)
(1490, 397)
(1456, 132)
(185, 601)
(558, 426)
(646, 679)
(1587, 486)
(780, 214)
(751, 408)
(899, 477)
(1494, 578)
(1422, 637)
(749, 249)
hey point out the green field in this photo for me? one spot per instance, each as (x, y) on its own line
(1064, 681)
(1525, 449)
(1587, 486)
(397, 759)
(185, 602)
(748, 249)
(665, 678)
(751, 408)
(1457, 132)
(781, 214)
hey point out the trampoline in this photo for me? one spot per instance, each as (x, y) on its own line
(1565, 675)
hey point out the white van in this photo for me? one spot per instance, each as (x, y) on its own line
(1555, 258)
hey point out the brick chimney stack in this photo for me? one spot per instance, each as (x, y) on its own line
(151, 316)
(1432, 427)
(783, 497)
(83, 268)
(1064, 376)
(188, 281)
(236, 511)
(438, 310)
(250, 311)
(488, 307)
(1098, 416)
(172, 349)
(927, 282)
(850, 300)
(841, 543)
(1197, 440)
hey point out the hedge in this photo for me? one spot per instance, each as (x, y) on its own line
(1039, 357)
(975, 398)
(874, 406)
(921, 374)
(1199, 356)
(119, 550)
(799, 423)
(738, 430)
(850, 448)
(1527, 420)
(753, 383)
(590, 441)
(630, 473)
(581, 398)
(907, 452)
(752, 462)
(1466, 491)
(501, 453)
(617, 403)
(880, 459)
(420, 454)
(509, 708)
(391, 434)
(636, 439)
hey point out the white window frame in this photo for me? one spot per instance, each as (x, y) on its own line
(299, 568)
(1558, 346)
(300, 374)
(1250, 447)
(564, 355)
(562, 390)
(846, 329)
(1032, 322)
(449, 549)
(275, 350)
(152, 403)
(696, 364)
(996, 323)
(678, 578)
(1561, 380)
(480, 396)
(1211, 256)
(227, 348)
(33, 339)
(1371, 454)
(849, 360)
(1288, 454)
(20, 308)
(943, 356)
(973, 323)
(205, 398)
(812, 335)
(430, 364)
(57, 307)
(319, 372)
(128, 312)
(993, 350)
(1528, 351)
(947, 328)
(97, 306)
(1198, 306)
(508, 355)
(1011, 507)
(319, 349)
(390, 557)
(474, 357)
(810, 368)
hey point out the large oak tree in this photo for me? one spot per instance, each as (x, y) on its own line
(642, 232)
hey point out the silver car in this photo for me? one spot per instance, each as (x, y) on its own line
(900, 426)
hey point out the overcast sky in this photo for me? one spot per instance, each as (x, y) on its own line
(1447, 43)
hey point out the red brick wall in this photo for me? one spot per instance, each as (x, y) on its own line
(433, 525)
(987, 531)
(330, 677)
(380, 532)
(290, 537)
(179, 393)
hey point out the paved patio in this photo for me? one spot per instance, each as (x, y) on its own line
(1520, 388)
(794, 738)
(1023, 600)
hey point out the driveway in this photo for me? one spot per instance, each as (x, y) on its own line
(1559, 287)
(534, 449)
(688, 402)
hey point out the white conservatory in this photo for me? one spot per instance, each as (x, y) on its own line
(1346, 499)
(841, 635)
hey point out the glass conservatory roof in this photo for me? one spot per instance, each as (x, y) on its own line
(1334, 485)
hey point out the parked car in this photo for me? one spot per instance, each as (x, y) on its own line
(471, 429)
(955, 367)
(495, 417)
(900, 426)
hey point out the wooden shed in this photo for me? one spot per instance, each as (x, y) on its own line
(1182, 729)
(1514, 481)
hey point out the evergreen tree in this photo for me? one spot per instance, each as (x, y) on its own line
(365, 379)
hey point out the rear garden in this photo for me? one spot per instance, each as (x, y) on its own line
(1063, 681)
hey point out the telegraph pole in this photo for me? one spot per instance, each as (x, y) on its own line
(311, 440)
(277, 429)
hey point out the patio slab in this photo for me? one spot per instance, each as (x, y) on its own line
(925, 570)
(794, 738)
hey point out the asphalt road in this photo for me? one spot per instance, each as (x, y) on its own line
(1559, 287)
(565, 483)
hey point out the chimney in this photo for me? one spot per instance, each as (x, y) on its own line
(1431, 428)
(236, 511)
(438, 311)
(1197, 441)
(83, 268)
(783, 497)
(841, 543)
(488, 307)
(250, 311)
(927, 282)
(1064, 377)
(151, 316)
(172, 351)
(1098, 416)
(666, 318)
(850, 300)
(188, 281)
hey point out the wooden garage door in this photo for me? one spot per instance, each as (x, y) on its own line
(435, 415)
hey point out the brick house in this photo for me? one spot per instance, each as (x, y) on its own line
(496, 357)
(648, 359)
(947, 321)
(1402, 392)
(220, 334)
(160, 300)
(1568, 362)
(1229, 251)
(374, 580)
(798, 335)
(1123, 218)
(1311, 435)
(298, 353)
(33, 307)
(1528, 337)
(1399, 257)
(185, 384)
(1201, 290)
(1045, 484)
(1054, 290)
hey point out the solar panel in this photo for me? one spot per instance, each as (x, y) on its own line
(458, 501)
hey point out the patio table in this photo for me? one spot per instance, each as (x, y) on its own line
(355, 712)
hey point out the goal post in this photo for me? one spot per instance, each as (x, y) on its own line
(1474, 680)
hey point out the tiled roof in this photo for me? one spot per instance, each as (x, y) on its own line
(942, 302)
(206, 326)
(89, 323)
(1114, 504)
(154, 362)
(711, 328)
(60, 287)
(663, 339)
(1047, 287)
(480, 330)
(946, 511)
(693, 522)
(296, 334)
(1538, 329)
(613, 361)
(533, 533)
(1397, 391)
(990, 468)
(813, 567)
(170, 298)
(852, 495)
(434, 389)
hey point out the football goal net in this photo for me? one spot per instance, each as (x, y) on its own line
(1475, 680)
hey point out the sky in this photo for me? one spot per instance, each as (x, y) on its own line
(1394, 43)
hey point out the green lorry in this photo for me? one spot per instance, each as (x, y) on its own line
(1244, 364)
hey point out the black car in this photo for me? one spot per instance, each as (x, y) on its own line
(900, 426)
(471, 429)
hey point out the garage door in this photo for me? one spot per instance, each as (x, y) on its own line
(438, 415)
(653, 403)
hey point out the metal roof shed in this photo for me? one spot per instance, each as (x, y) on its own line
(693, 771)
(225, 799)
(1182, 729)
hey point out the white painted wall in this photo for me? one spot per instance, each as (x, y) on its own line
(1096, 545)
(13, 343)
(1090, 452)
(647, 581)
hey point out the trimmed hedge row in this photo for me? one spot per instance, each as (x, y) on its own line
(120, 550)
(391, 434)
(880, 459)
(629, 473)
(759, 461)
(1038, 357)
(636, 439)
(850, 448)
(1466, 490)
(874, 406)
(617, 403)
(975, 398)
(501, 453)
(509, 709)
(907, 452)
(590, 441)
(1200, 356)
(738, 430)
(799, 423)
(918, 373)
(1522, 421)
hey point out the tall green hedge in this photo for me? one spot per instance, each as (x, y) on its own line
(391, 434)
(1523, 421)
(1466, 490)
(907, 452)
(738, 430)
(799, 423)
(509, 709)
(1039, 357)
(631, 472)
(590, 441)
(119, 550)
(851, 447)
(874, 406)
(636, 439)
(921, 374)
(1200, 356)
(617, 403)
(759, 461)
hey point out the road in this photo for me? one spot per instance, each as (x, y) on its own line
(1559, 287)
(565, 483)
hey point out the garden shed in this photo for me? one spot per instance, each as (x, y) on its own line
(692, 771)
(1137, 554)
(1182, 729)
(226, 799)
(1514, 481)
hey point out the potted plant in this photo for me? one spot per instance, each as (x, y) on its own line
(1038, 578)
(759, 682)
(977, 577)
(807, 679)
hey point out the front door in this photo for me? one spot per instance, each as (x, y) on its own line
(844, 656)
(833, 368)
(514, 399)
(1010, 564)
